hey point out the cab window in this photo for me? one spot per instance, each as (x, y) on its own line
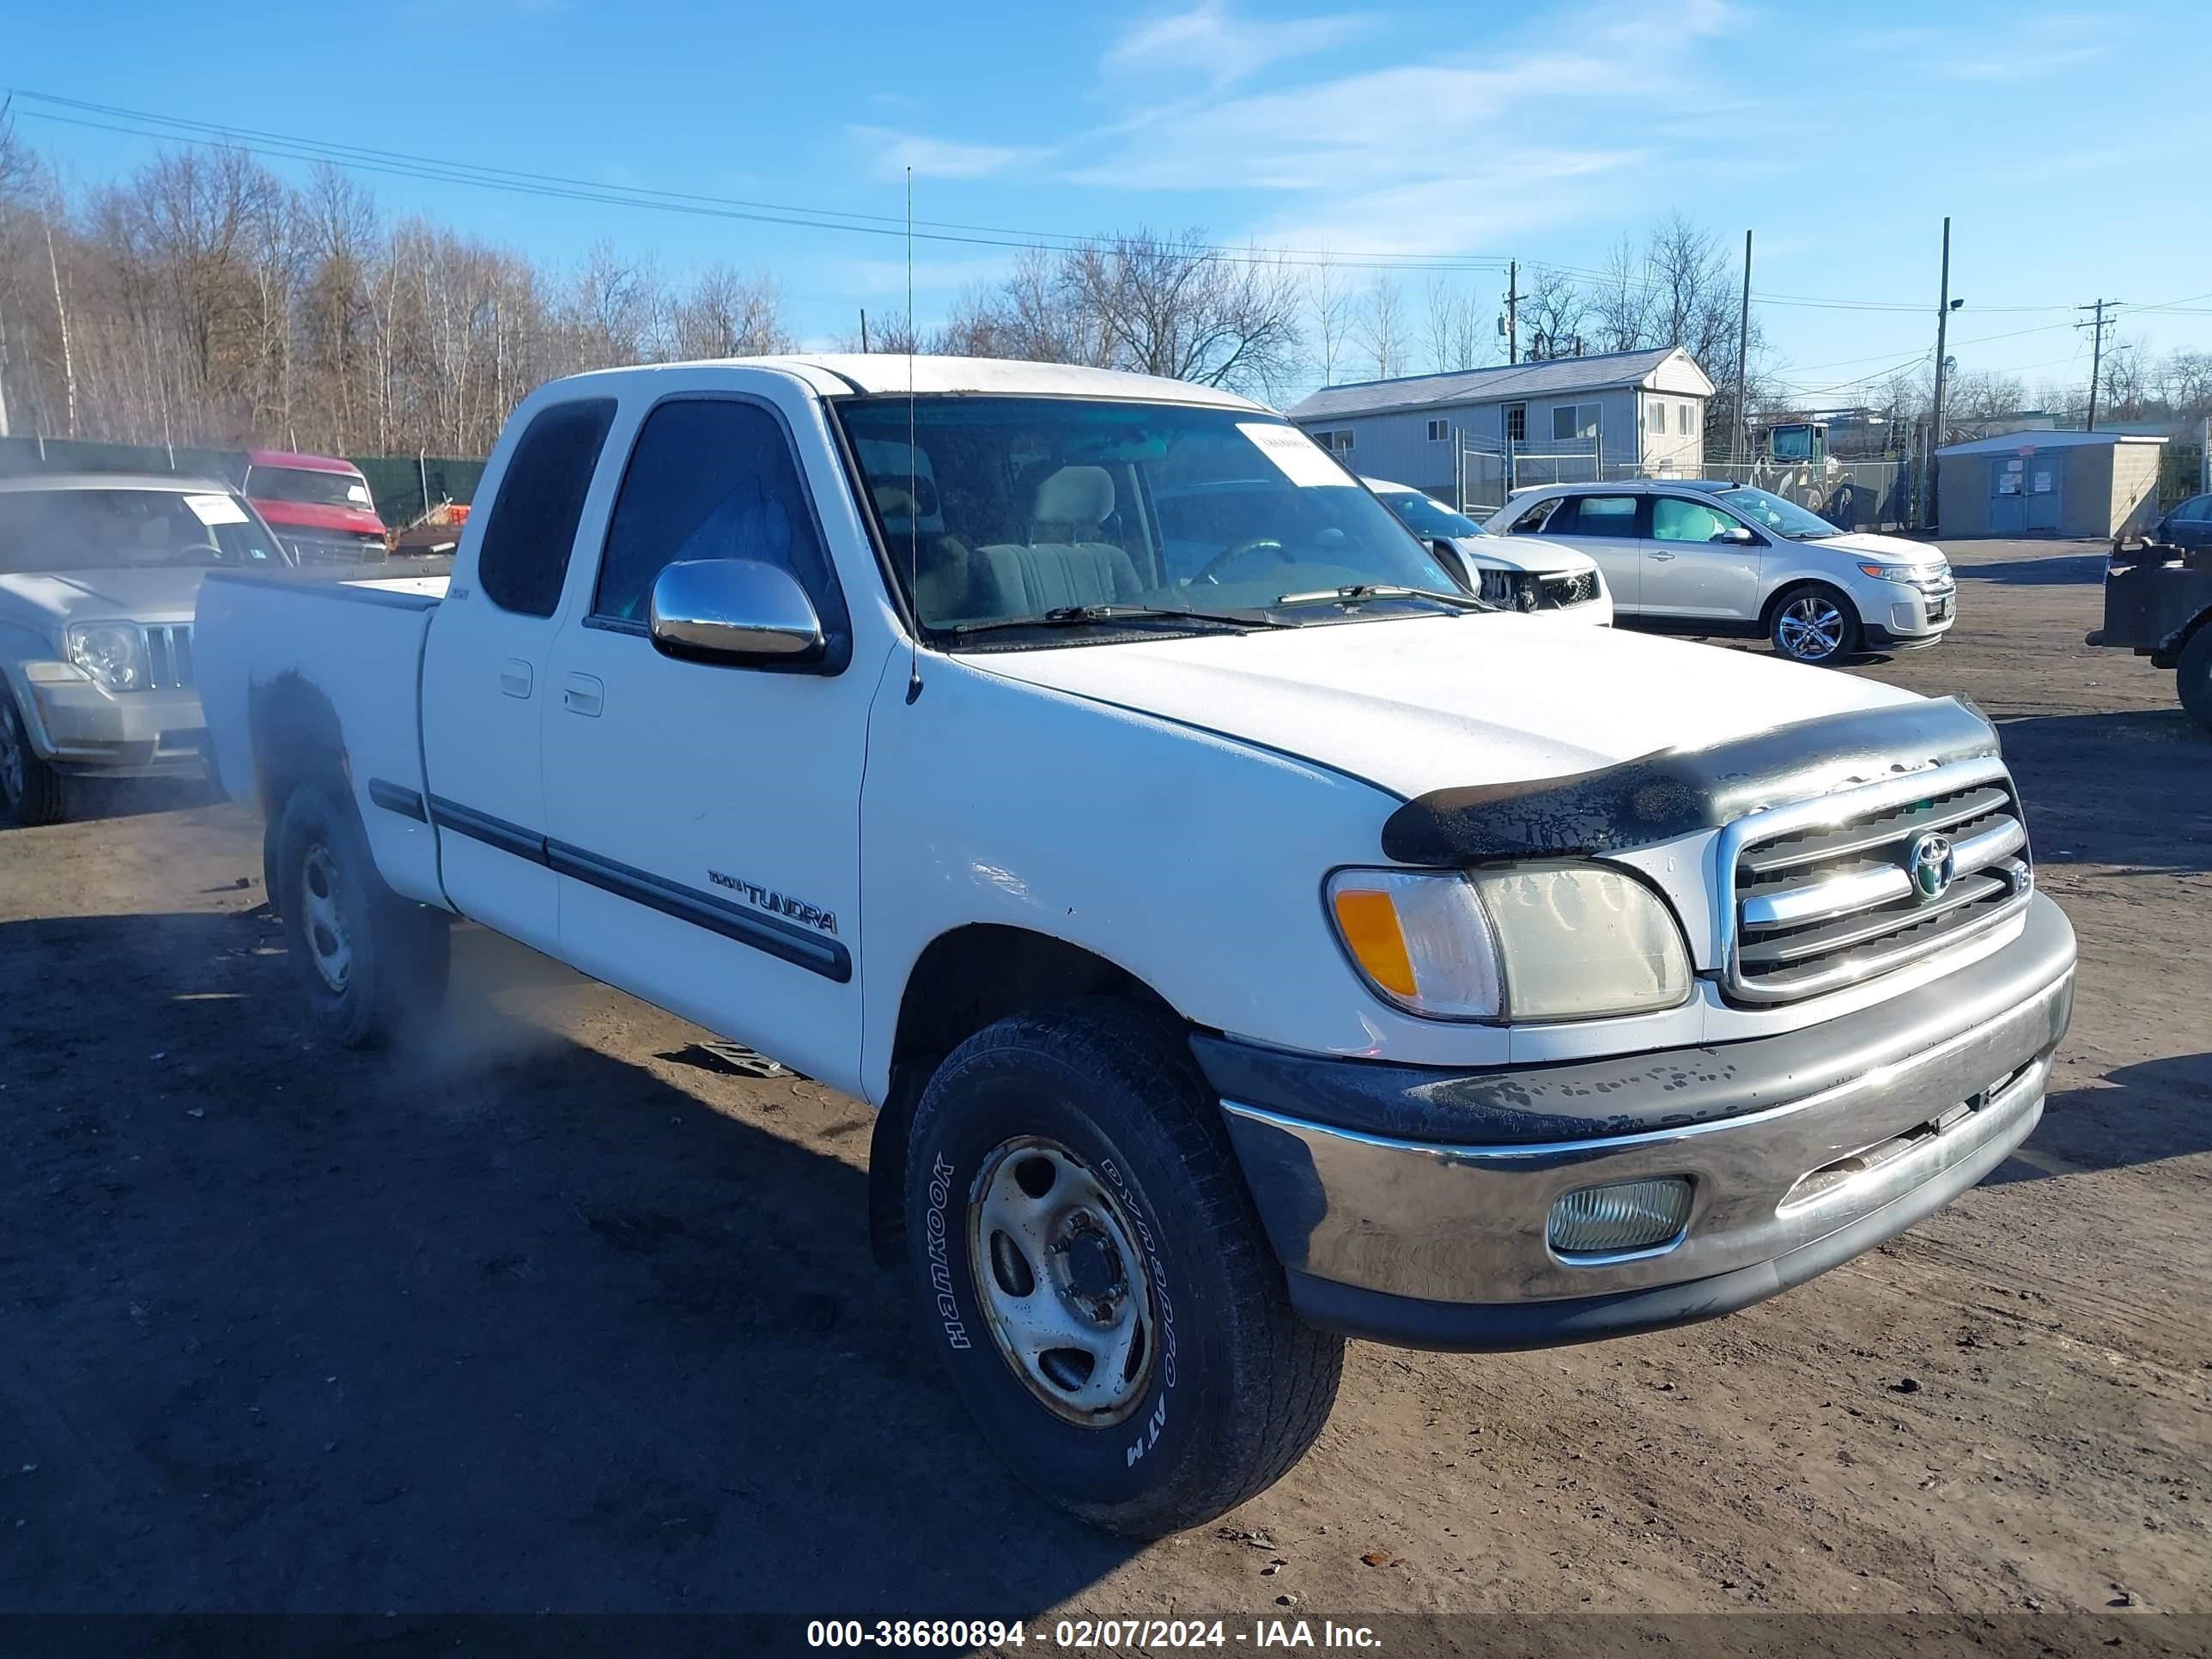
(524, 557)
(711, 478)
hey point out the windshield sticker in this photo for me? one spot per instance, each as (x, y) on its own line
(358, 493)
(1295, 456)
(215, 509)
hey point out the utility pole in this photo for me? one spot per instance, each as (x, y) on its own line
(1513, 298)
(1743, 354)
(2096, 349)
(864, 330)
(1943, 326)
(68, 360)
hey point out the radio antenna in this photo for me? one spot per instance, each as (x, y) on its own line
(913, 472)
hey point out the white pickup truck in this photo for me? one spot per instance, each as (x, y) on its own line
(1247, 942)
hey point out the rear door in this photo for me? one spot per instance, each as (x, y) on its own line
(484, 673)
(1609, 529)
(1689, 571)
(704, 818)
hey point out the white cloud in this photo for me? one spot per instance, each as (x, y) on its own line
(1211, 43)
(892, 152)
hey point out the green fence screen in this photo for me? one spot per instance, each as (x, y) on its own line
(397, 482)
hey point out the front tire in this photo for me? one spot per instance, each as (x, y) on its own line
(370, 962)
(30, 792)
(2192, 677)
(1814, 623)
(1090, 1265)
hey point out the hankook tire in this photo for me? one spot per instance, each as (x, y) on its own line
(1090, 1265)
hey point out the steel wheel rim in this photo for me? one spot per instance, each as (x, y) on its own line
(13, 769)
(1068, 1295)
(322, 917)
(1810, 628)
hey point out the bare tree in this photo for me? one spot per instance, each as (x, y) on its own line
(1329, 304)
(728, 314)
(1554, 312)
(1382, 327)
(1453, 325)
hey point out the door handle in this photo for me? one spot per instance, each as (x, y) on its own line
(515, 678)
(1662, 555)
(584, 694)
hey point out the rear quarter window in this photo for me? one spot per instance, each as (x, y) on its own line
(523, 559)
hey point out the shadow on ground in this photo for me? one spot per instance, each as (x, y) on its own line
(2150, 808)
(2145, 1114)
(2054, 570)
(495, 1322)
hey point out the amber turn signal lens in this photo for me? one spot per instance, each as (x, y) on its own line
(1369, 922)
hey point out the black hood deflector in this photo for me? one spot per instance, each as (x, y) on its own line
(1677, 792)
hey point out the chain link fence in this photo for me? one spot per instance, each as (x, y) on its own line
(1869, 495)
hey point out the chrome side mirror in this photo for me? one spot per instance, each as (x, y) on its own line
(1735, 534)
(739, 611)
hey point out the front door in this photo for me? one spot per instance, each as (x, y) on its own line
(1689, 570)
(2007, 495)
(2044, 474)
(703, 819)
(484, 668)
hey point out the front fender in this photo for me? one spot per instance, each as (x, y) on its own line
(1192, 861)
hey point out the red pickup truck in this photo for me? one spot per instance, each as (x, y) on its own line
(320, 506)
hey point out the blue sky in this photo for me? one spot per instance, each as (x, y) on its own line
(2065, 142)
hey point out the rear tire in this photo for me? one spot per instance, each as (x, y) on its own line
(1091, 1267)
(30, 792)
(370, 962)
(1814, 623)
(2192, 675)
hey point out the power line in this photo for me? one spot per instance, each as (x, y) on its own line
(170, 129)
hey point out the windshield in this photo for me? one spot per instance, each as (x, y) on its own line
(1021, 508)
(55, 530)
(1784, 519)
(298, 483)
(1426, 516)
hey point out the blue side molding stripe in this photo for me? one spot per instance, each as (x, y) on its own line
(393, 799)
(803, 947)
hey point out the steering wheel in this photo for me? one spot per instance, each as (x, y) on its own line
(1229, 556)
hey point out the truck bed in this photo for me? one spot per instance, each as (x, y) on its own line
(294, 670)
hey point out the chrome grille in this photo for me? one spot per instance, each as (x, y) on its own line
(169, 657)
(1823, 894)
(336, 547)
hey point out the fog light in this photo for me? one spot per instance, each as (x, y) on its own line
(1630, 1215)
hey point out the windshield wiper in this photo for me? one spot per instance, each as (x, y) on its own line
(1359, 592)
(1083, 615)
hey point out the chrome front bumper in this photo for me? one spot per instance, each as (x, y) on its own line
(1443, 1243)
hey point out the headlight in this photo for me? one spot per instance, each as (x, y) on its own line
(1528, 942)
(114, 654)
(1891, 573)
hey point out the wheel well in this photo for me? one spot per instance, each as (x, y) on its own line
(964, 981)
(295, 737)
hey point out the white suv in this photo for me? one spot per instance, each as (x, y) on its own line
(1720, 558)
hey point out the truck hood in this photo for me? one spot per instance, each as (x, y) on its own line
(1436, 702)
(312, 515)
(149, 594)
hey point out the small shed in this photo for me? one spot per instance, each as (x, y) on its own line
(2092, 484)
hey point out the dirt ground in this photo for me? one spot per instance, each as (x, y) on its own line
(551, 1311)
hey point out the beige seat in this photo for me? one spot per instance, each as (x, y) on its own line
(1066, 560)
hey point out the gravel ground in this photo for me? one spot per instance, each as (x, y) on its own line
(553, 1311)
